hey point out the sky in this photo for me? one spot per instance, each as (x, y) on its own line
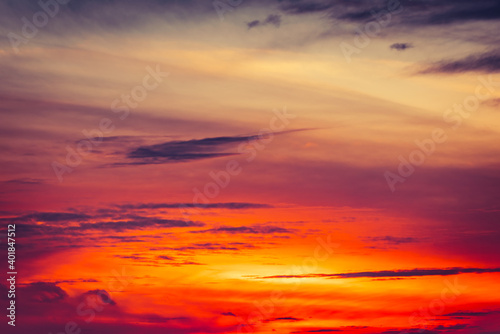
(250, 166)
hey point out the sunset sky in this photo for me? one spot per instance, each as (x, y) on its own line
(250, 166)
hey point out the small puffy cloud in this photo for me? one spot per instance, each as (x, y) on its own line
(401, 46)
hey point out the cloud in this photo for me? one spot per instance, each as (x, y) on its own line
(27, 180)
(132, 257)
(232, 246)
(206, 246)
(191, 150)
(48, 217)
(304, 7)
(256, 229)
(138, 223)
(401, 46)
(158, 261)
(182, 151)
(283, 319)
(492, 102)
(394, 273)
(461, 11)
(323, 330)
(486, 63)
(229, 314)
(461, 314)
(414, 13)
(254, 23)
(273, 19)
(230, 206)
(390, 240)
(103, 295)
(44, 292)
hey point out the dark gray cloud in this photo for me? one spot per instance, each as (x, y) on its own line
(191, 150)
(256, 229)
(395, 273)
(272, 19)
(48, 217)
(401, 46)
(139, 223)
(182, 151)
(460, 11)
(486, 63)
(437, 12)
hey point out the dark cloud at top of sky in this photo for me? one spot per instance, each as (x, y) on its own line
(119, 15)
(486, 62)
(467, 11)
(401, 46)
(306, 7)
(415, 12)
(110, 14)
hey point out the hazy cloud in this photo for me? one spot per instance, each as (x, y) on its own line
(272, 19)
(486, 63)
